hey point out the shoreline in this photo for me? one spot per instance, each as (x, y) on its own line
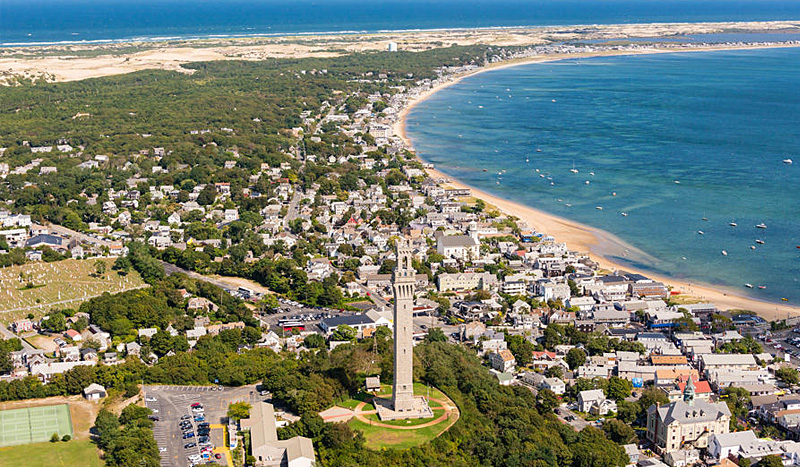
(583, 238)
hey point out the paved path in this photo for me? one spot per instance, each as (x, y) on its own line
(445, 404)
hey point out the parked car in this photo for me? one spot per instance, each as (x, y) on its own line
(150, 399)
(189, 445)
(188, 435)
(186, 417)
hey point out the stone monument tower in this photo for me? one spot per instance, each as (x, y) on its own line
(403, 283)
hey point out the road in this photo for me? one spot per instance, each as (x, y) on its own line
(10, 335)
(170, 268)
(292, 211)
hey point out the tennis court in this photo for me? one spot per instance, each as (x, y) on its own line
(34, 424)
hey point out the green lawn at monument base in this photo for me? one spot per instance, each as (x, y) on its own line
(381, 437)
(378, 437)
(70, 454)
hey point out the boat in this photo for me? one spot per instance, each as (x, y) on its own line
(677, 182)
(484, 170)
(787, 161)
(591, 173)
(624, 214)
(568, 205)
(701, 232)
(599, 208)
(760, 242)
(762, 287)
(613, 193)
(732, 224)
(752, 247)
(541, 175)
(527, 159)
(784, 299)
(749, 286)
(573, 169)
(761, 226)
(586, 182)
(538, 150)
(705, 218)
(724, 253)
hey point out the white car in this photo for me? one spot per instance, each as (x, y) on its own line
(150, 399)
(154, 410)
(162, 449)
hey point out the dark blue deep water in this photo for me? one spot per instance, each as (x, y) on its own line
(719, 123)
(48, 21)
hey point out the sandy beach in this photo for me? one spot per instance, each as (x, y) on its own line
(72, 62)
(583, 238)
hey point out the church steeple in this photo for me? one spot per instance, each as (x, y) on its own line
(688, 391)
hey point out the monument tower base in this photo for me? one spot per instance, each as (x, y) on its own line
(421, 409)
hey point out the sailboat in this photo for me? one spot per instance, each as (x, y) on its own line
(761, 226)
(573, 169)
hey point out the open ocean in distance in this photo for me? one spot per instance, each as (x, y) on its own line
(26, 22)
(678, 137)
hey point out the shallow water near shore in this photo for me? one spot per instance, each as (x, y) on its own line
(671, 139)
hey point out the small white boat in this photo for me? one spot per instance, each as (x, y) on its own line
(749, 286)
(568, 205)
(787, 161)
(538, 150)
(724, 253)
(761, 226)
(760, 242)
(573, 169)
(527, 159)
(624, 214)
(752, 247)
(762, 287)
(677, 182)
(599, 208)
(586, 182)
(701, 232)
(732, 224)
(591, 173)
(613, 193)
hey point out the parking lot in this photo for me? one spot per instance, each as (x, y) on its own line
(173, 405)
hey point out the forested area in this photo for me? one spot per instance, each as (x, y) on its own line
(127, 440)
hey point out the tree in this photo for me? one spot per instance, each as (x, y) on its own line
(738, 400)
(239, 410)
(435, 335)
(55, 438)
(619, 431)
(314, 341)
(521, 348)
(100, 267)
(618, 388)
(56, 322)
(788, 375)
(66, 438)
(546, 400)
(344, 332)
(575, 358)
(207, 195)
(770, 461)
(554, 371)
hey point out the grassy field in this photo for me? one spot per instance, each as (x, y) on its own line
(380, 437)
(34, 287)
(71, 454)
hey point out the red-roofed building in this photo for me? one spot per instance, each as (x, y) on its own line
(702, 390)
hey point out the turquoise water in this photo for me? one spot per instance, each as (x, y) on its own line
(718, 123)
(25, 22)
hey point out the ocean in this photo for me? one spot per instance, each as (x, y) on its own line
(671, 140)
(30, 22)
